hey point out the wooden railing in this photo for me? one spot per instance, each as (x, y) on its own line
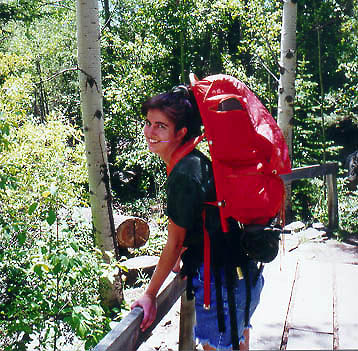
(126, 336)
(329, 170)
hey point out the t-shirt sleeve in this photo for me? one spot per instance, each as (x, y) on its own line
(183, 200)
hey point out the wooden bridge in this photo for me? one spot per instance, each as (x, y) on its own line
(306, 303)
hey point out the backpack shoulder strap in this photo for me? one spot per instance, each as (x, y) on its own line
(182, 151)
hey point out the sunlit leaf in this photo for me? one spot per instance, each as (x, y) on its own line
(46, 194)
(32, 208)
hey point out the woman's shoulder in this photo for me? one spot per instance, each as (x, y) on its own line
(194, 164)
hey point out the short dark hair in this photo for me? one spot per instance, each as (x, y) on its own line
(180, 107)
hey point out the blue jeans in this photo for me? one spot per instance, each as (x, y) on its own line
(206, 329)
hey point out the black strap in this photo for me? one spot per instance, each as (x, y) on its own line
(219, 300)
(189, 287)
(248, 294)
(230, 279)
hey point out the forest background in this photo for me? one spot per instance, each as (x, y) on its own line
(49, 266)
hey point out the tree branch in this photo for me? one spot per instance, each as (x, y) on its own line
(267, 69)
(109, 18)
(64, 71)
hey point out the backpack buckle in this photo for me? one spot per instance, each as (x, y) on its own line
(240, 275)
(221, 203)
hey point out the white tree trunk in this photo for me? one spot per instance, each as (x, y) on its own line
(88, 41)
(286, 93)
(287, 90)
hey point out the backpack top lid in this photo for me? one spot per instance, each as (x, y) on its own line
(212, 92)
(247, 147)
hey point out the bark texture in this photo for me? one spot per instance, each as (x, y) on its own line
(286, 93)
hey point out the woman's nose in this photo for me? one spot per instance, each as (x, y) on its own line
(148, 131)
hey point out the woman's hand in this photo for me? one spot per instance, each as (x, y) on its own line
(149, 305)
(167, 260)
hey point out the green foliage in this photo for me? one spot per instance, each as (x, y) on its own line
(49, 290)
(4, 132)
(310, 203)
(28, 11)
(28, 59)
(150, 45)
(308, 134)
(335, 20)
(15, 93)
(348, 207)
(47, 159)
(51, 285)
(344, 100)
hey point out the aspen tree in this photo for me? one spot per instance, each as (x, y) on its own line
(89, 64)
(286, 92)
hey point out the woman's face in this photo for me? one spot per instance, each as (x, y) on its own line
(160, 134)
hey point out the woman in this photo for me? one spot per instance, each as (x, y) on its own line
(172, 120)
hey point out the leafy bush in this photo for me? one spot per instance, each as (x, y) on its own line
(348, 208)
(49, 288)
(50, 271)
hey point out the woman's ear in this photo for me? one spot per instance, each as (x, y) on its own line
(182, 132)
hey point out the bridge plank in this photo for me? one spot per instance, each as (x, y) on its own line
(124, 335)
(269, 318)
(347, 306)
(312, 309)
(308, 340)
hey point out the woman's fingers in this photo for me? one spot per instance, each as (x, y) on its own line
(149, 306)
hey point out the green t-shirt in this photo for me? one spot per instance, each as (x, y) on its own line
(189, 185)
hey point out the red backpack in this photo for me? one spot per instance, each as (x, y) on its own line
(247, 148)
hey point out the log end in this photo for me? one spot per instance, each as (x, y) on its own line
(132, 233)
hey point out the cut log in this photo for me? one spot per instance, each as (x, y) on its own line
(131, 232)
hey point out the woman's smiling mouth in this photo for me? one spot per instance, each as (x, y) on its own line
(152, 141)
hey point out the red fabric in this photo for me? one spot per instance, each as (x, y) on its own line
(248, 151)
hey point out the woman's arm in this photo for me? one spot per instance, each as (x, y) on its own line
(168, 258)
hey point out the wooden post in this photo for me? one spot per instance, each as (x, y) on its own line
(332, 199)
(187, 322)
